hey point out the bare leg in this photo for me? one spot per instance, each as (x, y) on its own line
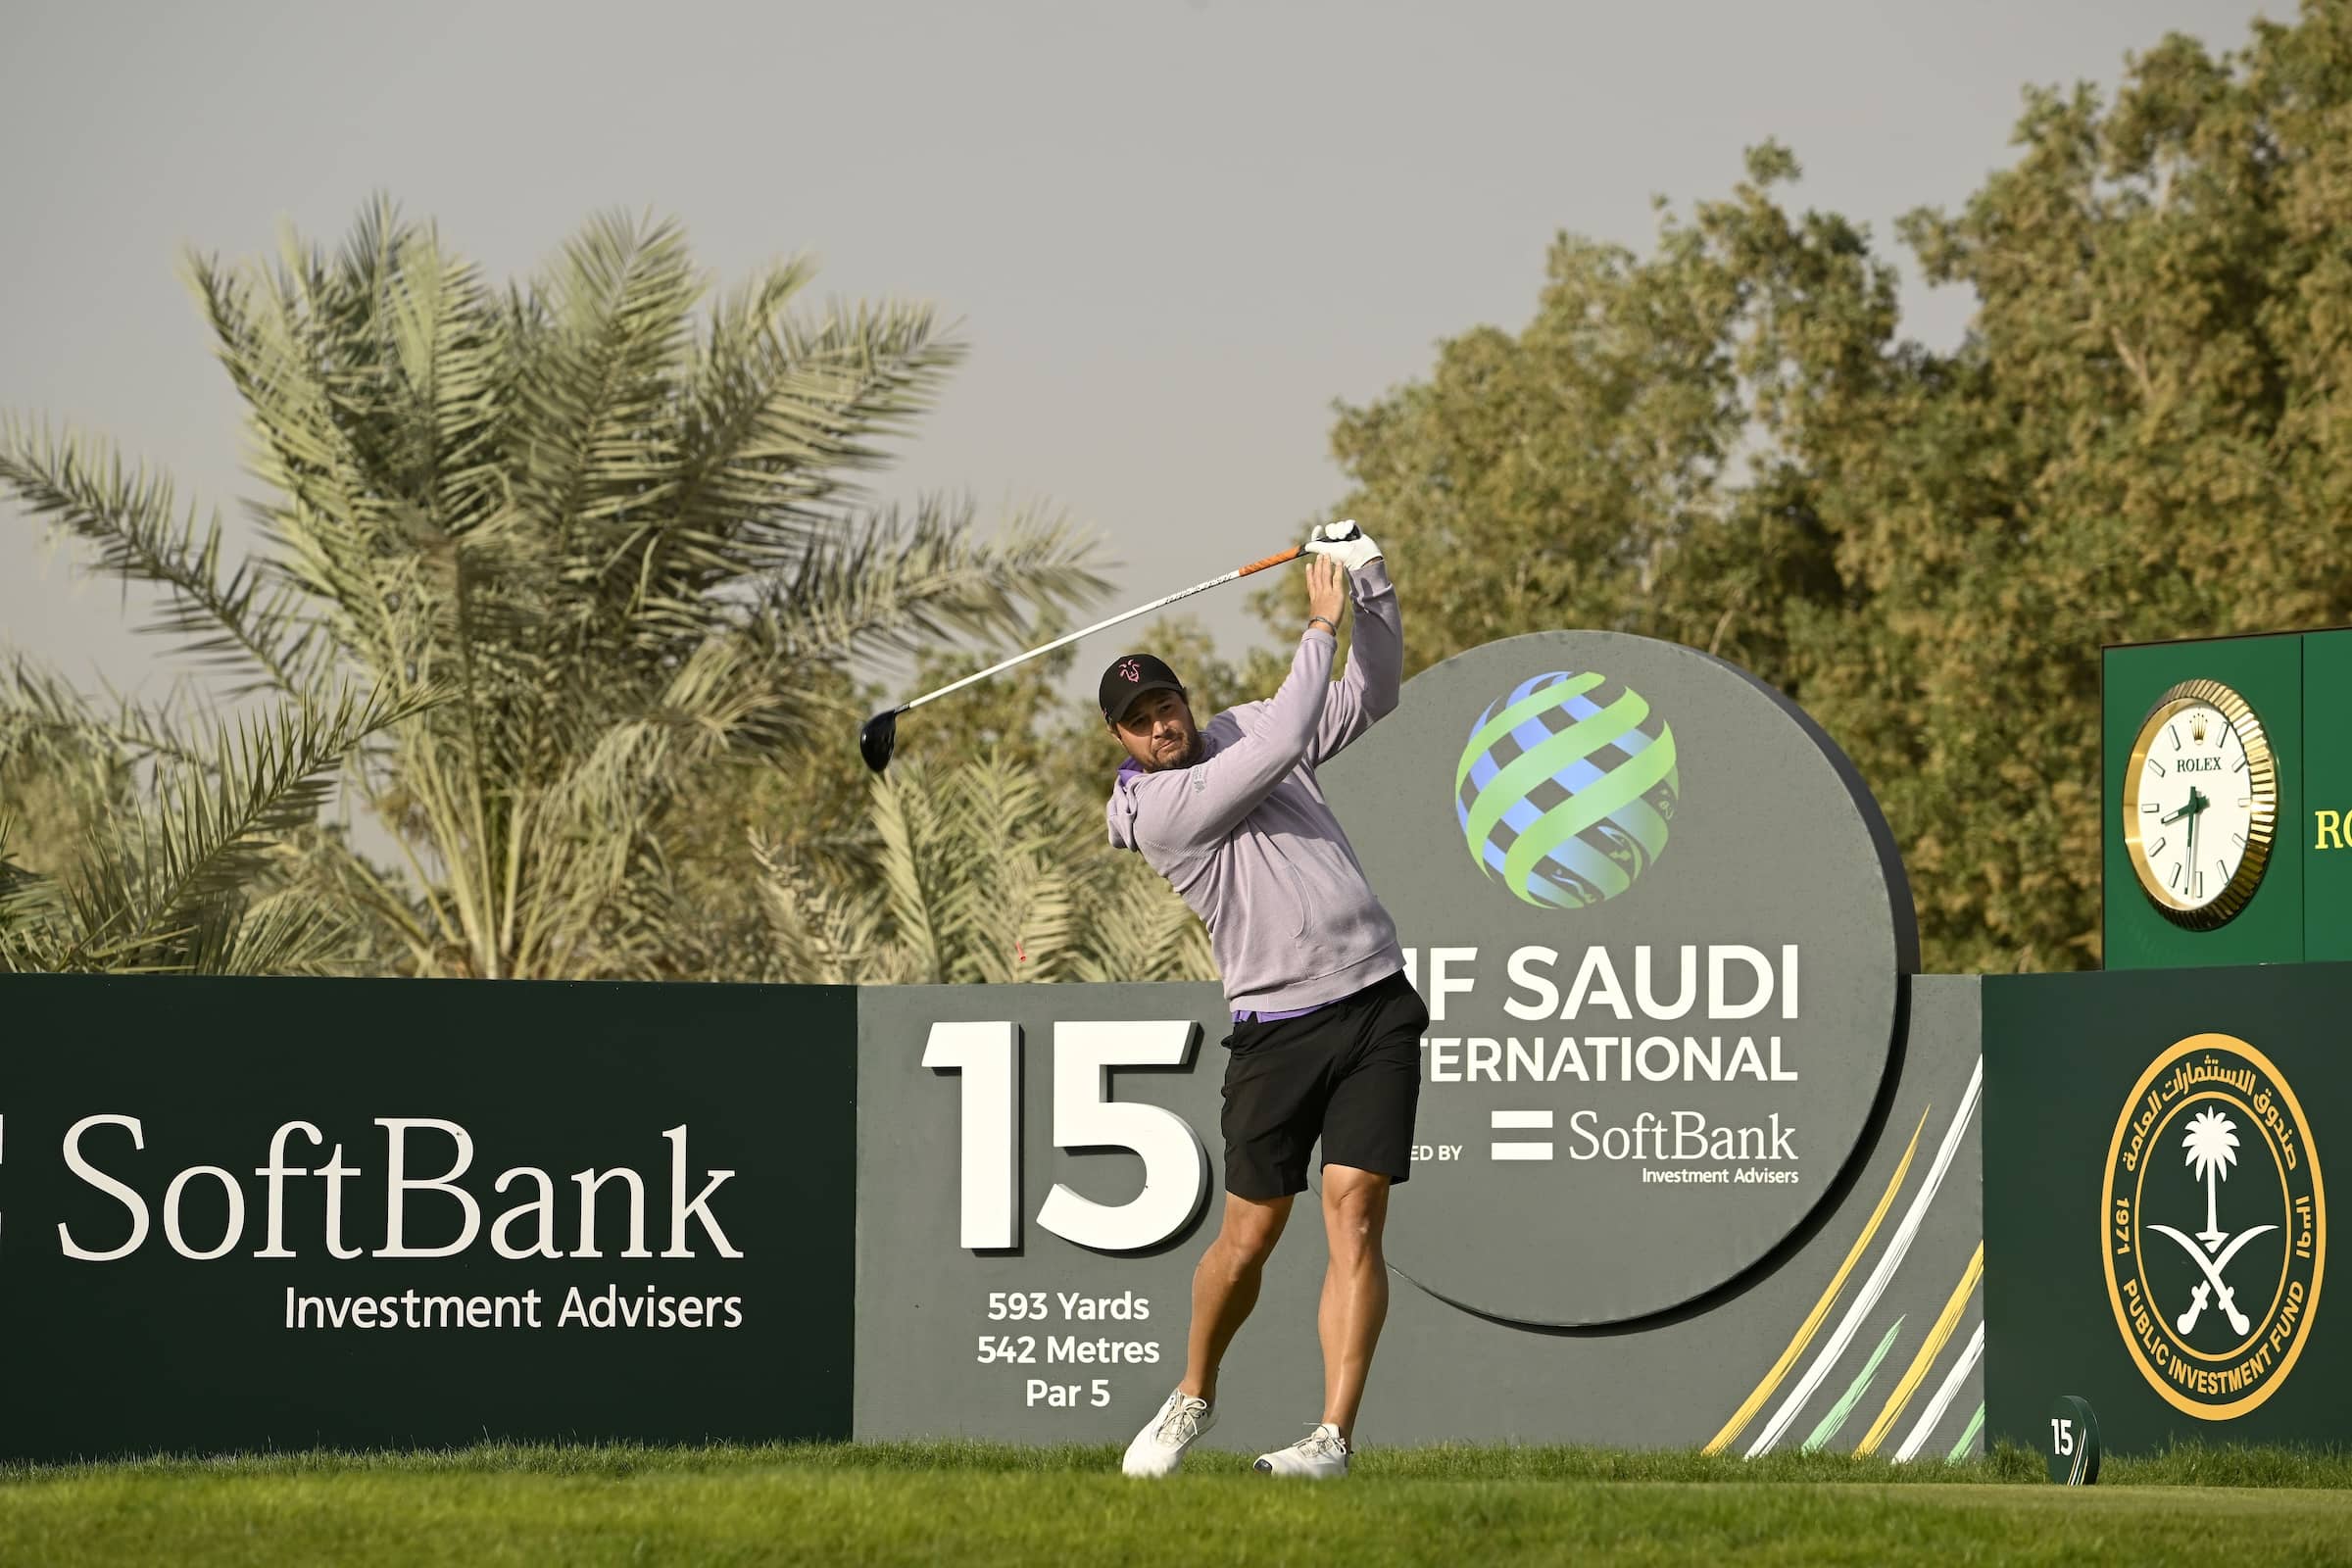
(1356, 1288)
(1225, 1285)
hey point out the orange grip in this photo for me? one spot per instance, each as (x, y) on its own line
(1291, 553)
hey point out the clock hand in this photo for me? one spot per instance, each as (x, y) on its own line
(2196, 802)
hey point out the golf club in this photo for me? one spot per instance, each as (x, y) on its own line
(878, 737)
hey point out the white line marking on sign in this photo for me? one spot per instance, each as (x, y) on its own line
(1521, 1118)
(1521, 1150)
(1934, 1413)
(1898, 1245)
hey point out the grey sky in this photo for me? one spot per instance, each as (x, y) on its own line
(1174, 233)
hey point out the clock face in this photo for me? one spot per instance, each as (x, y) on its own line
(2195, 804)
(2199, 803)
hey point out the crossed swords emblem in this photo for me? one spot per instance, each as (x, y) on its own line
(2211, 1143)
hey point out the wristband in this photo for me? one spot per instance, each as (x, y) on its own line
(1333, 630)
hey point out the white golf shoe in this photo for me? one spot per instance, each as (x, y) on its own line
(1320, 1455)
(1160, 1447)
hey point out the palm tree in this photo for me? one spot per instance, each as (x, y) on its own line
(2212, 1145)
(593, 547)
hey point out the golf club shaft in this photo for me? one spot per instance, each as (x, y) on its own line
(1291, 554)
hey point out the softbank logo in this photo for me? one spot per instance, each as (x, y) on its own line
(533, 1227)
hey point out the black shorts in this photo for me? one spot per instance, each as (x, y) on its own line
(1348, 1074)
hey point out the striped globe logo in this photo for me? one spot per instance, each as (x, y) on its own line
(1566, 789)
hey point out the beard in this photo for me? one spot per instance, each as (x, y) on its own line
(1186, 758)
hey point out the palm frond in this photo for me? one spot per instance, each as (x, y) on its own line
(248, 622)
(382, 926)
(975, 881)
(1140, 930)
(596, 381)
(1011, 914)
(30, 910)
(908, 823)
(896, 582)
(173, 874)
(821, 931)
(371, 389)
(46, 722)
(779, 413)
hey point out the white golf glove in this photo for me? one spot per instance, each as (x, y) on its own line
(1345, 543)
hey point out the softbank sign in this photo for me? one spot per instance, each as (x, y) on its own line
(409, 1203)
(533, 1211)
(1662, 931)
(399, 1210)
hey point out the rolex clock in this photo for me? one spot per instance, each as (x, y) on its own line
(2200, 804)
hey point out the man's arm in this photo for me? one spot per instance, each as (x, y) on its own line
(1368, 692)
(1189, 814)
(1204, 803)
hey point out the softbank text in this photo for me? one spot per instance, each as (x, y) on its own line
(527, 1229)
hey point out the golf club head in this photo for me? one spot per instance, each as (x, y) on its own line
(878, 738)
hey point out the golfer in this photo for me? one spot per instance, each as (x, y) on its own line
(1326, 1041)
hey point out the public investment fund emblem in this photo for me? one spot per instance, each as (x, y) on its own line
(1565, 789)
(2215, 1227)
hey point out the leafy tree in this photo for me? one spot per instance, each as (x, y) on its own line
(975, 881)
(1727, 442)
(623, 541)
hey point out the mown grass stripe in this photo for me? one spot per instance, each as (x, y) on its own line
(995, 1506)
(2229, 1465)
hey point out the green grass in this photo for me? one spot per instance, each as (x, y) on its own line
(976, 1503)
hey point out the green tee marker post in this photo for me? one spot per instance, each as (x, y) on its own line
(2071, 1450)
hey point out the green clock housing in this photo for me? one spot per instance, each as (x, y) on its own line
(2187, 729)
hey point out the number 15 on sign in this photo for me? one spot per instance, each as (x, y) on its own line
(2074, 1453)
(988, 1056)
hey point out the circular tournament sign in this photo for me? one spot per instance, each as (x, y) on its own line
(1660, 927)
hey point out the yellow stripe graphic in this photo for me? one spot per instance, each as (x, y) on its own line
(1820, 1308)
(1945, 1322)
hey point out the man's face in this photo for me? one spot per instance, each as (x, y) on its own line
(1158, 731)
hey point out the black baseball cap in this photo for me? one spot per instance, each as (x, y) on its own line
(1129, 677)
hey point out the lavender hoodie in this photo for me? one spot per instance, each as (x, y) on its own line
(1246, 837)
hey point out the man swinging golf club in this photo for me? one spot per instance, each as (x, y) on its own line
(1327, 1030)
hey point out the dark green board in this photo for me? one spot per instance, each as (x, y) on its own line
(2063, 1057)
(159, 1351)
(2324, 829)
